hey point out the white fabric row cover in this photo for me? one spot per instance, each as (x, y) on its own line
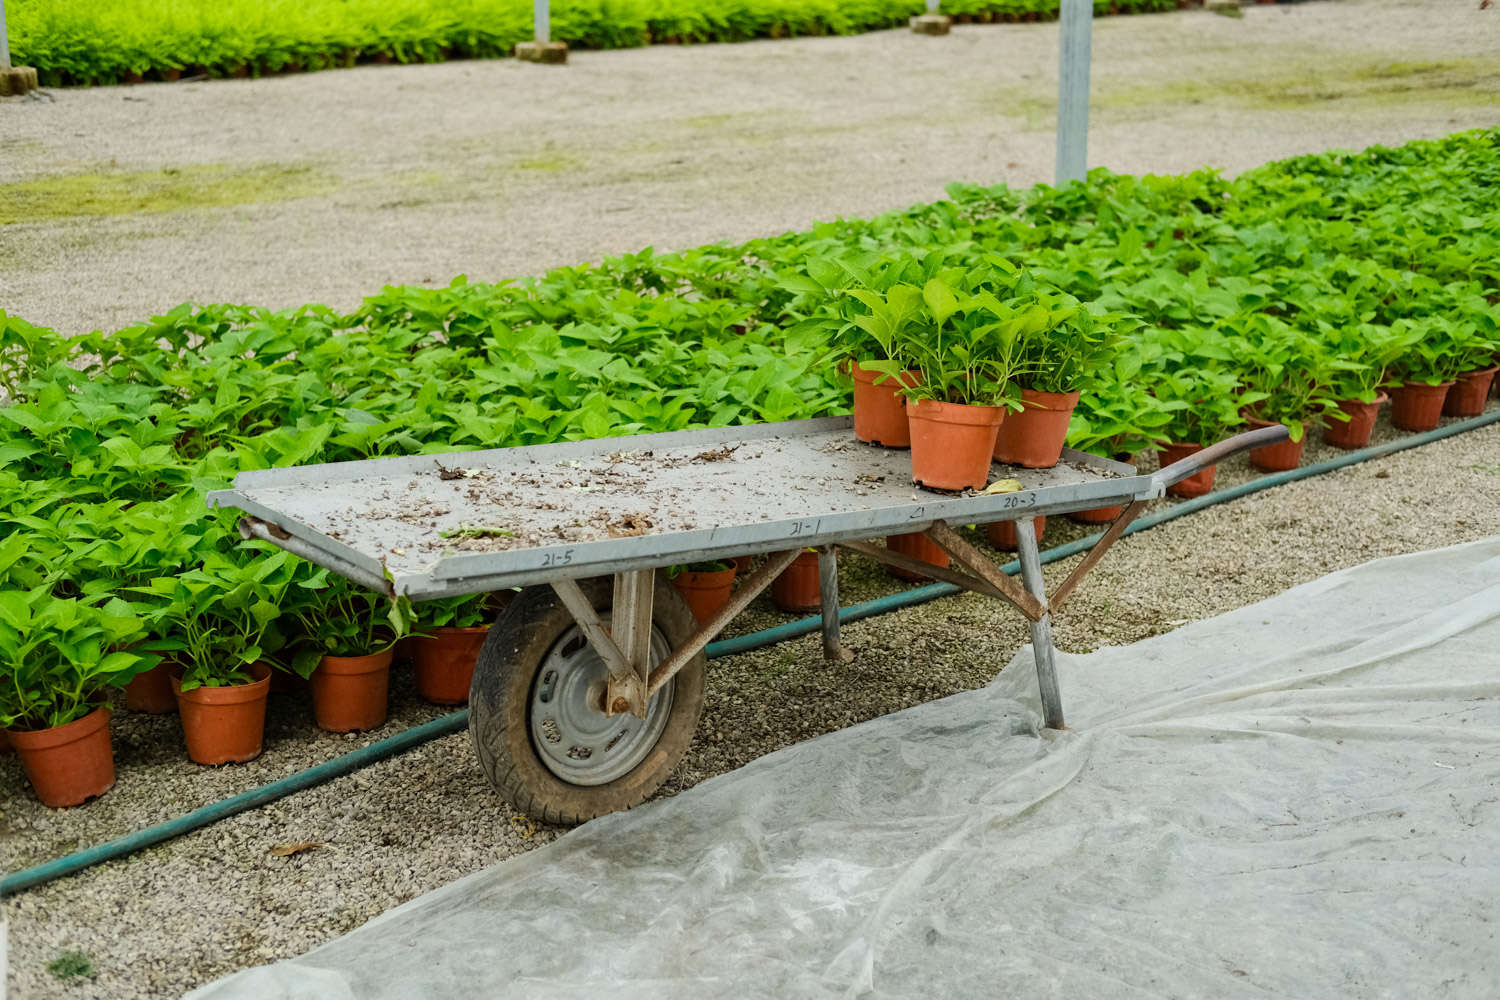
(1297, 799)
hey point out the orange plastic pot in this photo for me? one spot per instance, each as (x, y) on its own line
(1356, 431)
(952, 443)
(443, 663)
(1466, 398)
(1034, 436)
(151, 692)
(879, 409)
(1416, 407)
(917, 546)
(796, 589)
(1003, 535)
(350, 693)
(1098, 515)
(68, 764)
(1282, 456)
(1195, 485)
(705, 593)
(224, 725)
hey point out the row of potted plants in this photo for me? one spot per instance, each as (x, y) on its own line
(227, 652)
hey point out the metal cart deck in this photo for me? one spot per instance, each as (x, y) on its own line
(588, 689)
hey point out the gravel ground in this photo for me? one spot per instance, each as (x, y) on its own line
(325, 187)
(185, 912)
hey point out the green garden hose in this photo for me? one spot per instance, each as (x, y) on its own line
(328, 770)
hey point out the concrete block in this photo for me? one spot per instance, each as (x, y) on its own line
(17, 81)
(553, 53)
(931, 24)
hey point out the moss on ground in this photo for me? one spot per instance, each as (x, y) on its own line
(212, 185)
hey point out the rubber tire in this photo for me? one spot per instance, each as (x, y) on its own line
(500, 698)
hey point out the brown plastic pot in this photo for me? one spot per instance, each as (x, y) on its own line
(443, 665)
(1356, 431)
(224, 725)
(1417, 407)
(917, 546)
(350, 692)
(151, 692)
(1003, 534)
(879, 410)
(1098, 515)
(952, 443)
(796, 589)
(705, 593)
(1195, 485)
(1466, 398)
(1283, 456)
(1034, 436)
(68, 764)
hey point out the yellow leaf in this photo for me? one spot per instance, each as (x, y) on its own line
(1005, 486)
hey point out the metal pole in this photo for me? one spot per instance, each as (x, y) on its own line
(1041, 629)
(4, 40)
(828, 599)
(932, 6)
(543, 21)
(1073, 91)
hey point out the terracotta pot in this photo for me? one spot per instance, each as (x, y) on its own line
(1355, 433)
(151, 692)
(1003, 535)
(1416, 407)
(879, 410)
(404, 652)
(1097, 515)
(224, 725)
(952, 444)
(1280, 457)
(350, 692)
(918, 546)
(1195, 485)
(444, 663)
(1034, 437)
(796, 589)
(68, 764)
(705, 593)
(1466, 398)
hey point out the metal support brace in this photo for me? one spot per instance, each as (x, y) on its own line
(1112, 535)
(738, 601)
(572, 596)
(630, 627)
(1032, 605)
(901, 560)
(828, 599)
(1041, 628)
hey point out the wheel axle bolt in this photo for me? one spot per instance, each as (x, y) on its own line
(620, 706)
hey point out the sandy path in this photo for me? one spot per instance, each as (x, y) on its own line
(325, 187)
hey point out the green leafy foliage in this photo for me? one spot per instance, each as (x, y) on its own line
(1173, 303)
(105, 41)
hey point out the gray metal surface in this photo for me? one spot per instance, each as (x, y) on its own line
(1041, 629)
(4, 40)
(1077, 27)
(468, 522)
(542, 20)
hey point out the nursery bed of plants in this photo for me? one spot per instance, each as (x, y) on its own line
(97, 42)
(1172, 303)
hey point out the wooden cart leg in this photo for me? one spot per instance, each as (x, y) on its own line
(828, 597)
(1041, 629)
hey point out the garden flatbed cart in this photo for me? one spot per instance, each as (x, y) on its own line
(589, 686)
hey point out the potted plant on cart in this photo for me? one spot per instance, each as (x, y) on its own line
(967, 347)
(59, 656)
(873, 319)
(1078, 341)
(343, 642)
(445, 646)
(222, 616)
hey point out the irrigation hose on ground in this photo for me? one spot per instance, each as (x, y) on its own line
(328, 770)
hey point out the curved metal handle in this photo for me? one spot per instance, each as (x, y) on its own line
(1216, 453)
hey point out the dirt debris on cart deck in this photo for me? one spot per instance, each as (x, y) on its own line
(523, 498)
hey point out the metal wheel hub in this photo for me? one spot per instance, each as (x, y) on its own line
(573, 738)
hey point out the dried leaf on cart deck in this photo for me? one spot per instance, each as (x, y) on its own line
(287, 850)
(1004, 486)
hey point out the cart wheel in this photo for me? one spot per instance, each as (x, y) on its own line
(540, 739)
